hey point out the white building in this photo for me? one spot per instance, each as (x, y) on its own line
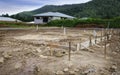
(9, 19)
(48, 16)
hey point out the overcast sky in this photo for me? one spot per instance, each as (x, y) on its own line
(15, 6)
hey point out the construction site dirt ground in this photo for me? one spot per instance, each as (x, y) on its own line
(46, 52)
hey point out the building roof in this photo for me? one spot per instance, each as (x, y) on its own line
(56, 14)
(7, 19)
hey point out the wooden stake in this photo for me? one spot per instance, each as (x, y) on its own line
(51, 51)
(105, 49)
(107, 37)
(37, 27)
(101, 35)
(94, 33)
(90, 38)
(78, 46)
(64, 31)
(95, 39)
(69, 55)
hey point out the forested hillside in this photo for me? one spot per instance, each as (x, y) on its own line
(94, 9)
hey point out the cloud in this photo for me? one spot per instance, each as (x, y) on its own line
(15, 6)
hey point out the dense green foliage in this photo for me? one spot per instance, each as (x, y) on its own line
(94, 9)
(104, 23)
(66, 23)
(5, 15)
(115, 23)
(24, 16)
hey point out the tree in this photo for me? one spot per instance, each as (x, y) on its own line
(5, 15)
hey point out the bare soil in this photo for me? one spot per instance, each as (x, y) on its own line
(46, 51)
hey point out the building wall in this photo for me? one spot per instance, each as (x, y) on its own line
(56, 18)
(40, 20)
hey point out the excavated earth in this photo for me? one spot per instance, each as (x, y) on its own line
(46, 52)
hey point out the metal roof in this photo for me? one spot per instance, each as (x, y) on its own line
(56, 14)
(7, 19)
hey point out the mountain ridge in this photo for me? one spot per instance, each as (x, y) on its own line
(94, 9)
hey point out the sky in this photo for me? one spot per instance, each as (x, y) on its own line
(16, 6)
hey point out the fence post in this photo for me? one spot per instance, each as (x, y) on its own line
(95, 39)
(95, 35)
(78, 46)
(51, 51)
(90, 38)
(64, 31)
(105, 48)
(37, 27)
(69, 54)
(101, 35)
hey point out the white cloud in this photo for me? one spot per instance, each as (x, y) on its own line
(61, 2)
(14, 10)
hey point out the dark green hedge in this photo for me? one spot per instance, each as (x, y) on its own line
(112, 23)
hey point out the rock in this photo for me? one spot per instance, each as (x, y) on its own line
(6, 55)
(76, 70)
(59, 54)
(38, 50)
(59, 73)
(18, 65)
(36, 70)
(89, 71)
(114, 53)
(42, 56)
(113, 68)
(70, 64)
(66, 69)
(114, 73)
(1, 60)
(71, 72)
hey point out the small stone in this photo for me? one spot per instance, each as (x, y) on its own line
(113, 68)
(18, 65)
(70, 64)
(114, 53)
(42, 56)
(58, 54)
(36, 70)
(76, 70)
(66, 69)
(59, 73)
(1, 60)
(89, 71)
(38, 50)
(71, 72)
(6, 55)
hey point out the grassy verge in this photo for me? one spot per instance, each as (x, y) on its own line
(16, 24)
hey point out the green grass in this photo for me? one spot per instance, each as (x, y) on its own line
(16, 24)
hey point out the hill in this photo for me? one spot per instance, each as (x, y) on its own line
(94, 9)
